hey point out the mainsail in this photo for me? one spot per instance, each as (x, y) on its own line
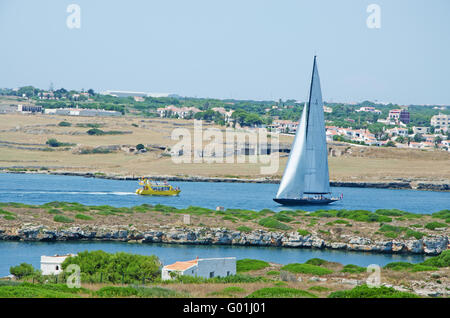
(307, 167)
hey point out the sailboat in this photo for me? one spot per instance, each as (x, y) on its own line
(305, 179)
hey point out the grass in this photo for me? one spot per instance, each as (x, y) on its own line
(245, 265)
(405, 266)
(143, 292)
(273, 223)
(63, 219)
(365, 291)
(280, 292)
(316, 261)
(351, 268)
(27, 290)
(319, 288)
(435, 225)
(83, 217)
(303, 232)
(306, 269)
(229, 291)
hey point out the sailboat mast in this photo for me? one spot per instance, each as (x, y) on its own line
(309, 99)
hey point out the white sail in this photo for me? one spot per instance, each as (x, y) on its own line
(307, 167)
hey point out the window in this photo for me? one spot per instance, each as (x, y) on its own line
(228, 273)
(211, 274)
(57, 267)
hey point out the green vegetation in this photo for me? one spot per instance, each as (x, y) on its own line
(99, 266)
(280, 292)
(27, 290)
(232, 279)
(22, 270)
(351, 268)
(52, 142)
(273, 273)
(303, 232)
(62, 219)
(365, 291)
(83, 217)
(64, 124)
(435, 225)
(99, 132)
(432, 263)
(273, 223)
(229, 291)
(245, 265)
(316, 262)
(144, 292)
(306, 269)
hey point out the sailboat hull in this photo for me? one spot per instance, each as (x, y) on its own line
(294, 202)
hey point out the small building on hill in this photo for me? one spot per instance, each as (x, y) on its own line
(206, 268)
(51, 265)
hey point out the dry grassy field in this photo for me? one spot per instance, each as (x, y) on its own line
(23, 145)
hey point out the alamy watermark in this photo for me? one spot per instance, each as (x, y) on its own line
(73, 20)
(214, 145)
(374, 19)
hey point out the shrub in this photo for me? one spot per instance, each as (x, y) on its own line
(399, 266)
(351, 268)
(303, 232)
(140, 147)
(22, 270)
(52, 142)
(365, 291)
(54, 211)
(113, 291)
(442, 260)
(306, 269)
(411, 233)
(272, 223)
(283, 217)
(245, 265)
(84, 217)
(120, 267)
(64, 124)
(95, 132)
(280, 292)
(62, 219)
(316, 261)
(273, 273)
(435, 225)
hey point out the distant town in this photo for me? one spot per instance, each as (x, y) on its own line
(366, 123)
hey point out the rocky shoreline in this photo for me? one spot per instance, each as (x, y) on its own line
(401, 184)
(220, 236)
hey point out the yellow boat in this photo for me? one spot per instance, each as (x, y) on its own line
(150, 187)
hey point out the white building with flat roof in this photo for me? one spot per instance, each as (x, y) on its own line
(51, 265)
(205, 267)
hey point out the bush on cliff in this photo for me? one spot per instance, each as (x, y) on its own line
(272, 223)
(99, 266)
(365, 291)
(316, 261)
(442, 260)
(435, 225)
(353, 269)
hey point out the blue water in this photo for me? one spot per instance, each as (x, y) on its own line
(14, 253)
(40, 188)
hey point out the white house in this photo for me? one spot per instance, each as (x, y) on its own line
(51, 265)
(206, 268)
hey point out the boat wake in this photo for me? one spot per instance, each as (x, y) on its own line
(68, 192)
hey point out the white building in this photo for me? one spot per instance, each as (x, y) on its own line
(81, 112)
(51, 265)
(206, 268)
(441, 121)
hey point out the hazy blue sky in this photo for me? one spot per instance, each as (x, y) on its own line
(255, 49)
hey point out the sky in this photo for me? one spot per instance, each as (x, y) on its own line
(241, 49)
